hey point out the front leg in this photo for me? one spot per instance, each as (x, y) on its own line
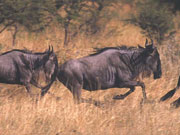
(25, 78)
(28, 88)
(143, 90)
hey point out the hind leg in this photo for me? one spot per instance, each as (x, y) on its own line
(25, 78)
(28, 88)
(122, 96)
(131, 85)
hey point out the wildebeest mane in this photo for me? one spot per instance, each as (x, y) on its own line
(133, 57)
(136, 59)
(23, 51)
(122, 47)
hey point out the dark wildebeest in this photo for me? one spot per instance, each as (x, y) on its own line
(22, 67)
(110, 67)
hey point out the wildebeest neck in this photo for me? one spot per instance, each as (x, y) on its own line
(35, 60)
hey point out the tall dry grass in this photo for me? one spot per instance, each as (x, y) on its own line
(20, 114)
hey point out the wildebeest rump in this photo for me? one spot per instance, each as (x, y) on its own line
(22, 67)
(110, 67)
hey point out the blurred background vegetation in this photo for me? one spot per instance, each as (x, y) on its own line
(74, 28)
(154, 17)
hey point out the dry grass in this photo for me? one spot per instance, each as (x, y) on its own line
(22, 115)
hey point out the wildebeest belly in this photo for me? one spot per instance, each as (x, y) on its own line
(8, 74)
(96, 86)
(103, 81)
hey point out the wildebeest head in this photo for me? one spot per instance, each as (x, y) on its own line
(152, 59)
(51, 65)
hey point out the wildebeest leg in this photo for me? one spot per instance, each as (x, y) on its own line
(28, 88)
(168, 95)
(131, 85)
(143, 90)
(76, 91)
(25, 78)
(122, 96)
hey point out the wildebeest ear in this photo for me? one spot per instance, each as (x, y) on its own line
(146, 43)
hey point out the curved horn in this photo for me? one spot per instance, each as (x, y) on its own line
(152, 42)
(49, 48)
(52, 48)
(146, 43)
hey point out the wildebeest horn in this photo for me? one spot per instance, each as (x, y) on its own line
(52, 49)
(152, 42)
(146, 43)
(49, 48)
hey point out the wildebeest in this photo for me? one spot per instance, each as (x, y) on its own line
(110, 67)
(22, 67)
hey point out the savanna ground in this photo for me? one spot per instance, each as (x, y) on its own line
(58, 115)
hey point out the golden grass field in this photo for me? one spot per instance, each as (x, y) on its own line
(58, 115)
